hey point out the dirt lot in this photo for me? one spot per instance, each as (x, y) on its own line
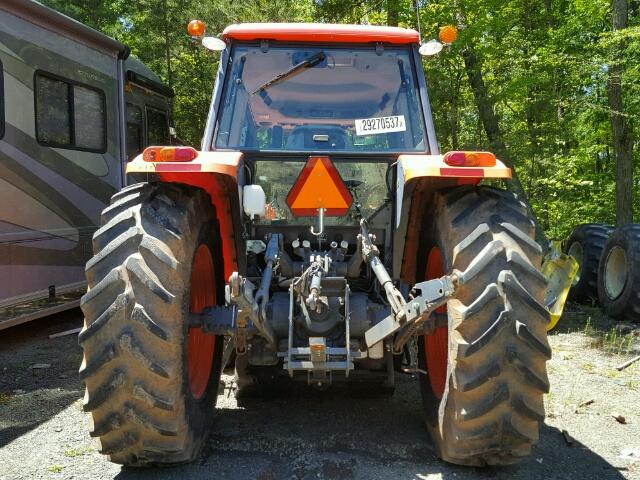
(44, 433)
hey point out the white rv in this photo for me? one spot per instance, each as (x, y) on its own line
(74, 107)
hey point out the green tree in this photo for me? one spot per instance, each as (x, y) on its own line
(545, 84)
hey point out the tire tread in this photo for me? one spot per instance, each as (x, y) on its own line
(492, 406)
(132, 364)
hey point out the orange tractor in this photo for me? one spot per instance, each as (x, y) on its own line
(320, 236)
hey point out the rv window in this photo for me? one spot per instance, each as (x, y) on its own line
(69, 115)
(52, 104)
(89, 118)
(134, 131)
(157, 127)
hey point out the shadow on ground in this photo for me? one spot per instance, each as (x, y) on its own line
(301, 434)
(29, 397)
(309, 436)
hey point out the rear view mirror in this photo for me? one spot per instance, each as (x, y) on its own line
(214, 44)
(432, 47)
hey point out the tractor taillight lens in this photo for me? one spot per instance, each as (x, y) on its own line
(169, 154)
(470, 159)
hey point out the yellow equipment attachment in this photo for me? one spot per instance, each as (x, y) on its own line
(559, 269)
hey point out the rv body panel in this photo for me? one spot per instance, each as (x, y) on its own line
(61, 153)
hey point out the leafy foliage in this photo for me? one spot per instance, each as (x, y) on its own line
(545, 66)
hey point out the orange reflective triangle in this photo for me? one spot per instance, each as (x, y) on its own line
(319, 186)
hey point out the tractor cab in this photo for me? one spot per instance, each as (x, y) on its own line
(320, 115)
(349, 97)
(354, 99)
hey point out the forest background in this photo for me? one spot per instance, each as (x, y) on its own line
(551, 86)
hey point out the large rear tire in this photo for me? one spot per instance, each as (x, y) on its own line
(585, 244)
(151, 381)
(619, 273)
(486, 372)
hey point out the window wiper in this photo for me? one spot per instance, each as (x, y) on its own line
(308, 63)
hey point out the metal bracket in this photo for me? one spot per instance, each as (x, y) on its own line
(408, 317)
(251, 308)
(218, 320)
(305, 359)
(240, 292)
(320, 223)
(434, 294)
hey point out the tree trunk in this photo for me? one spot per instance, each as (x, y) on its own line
(392, 13)
(622, 134)
(490, 122)
(167, 43)
(455, 111)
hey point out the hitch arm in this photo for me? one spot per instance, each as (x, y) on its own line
(372, 257)
(252, 307)
(434, 293)
(407, 317)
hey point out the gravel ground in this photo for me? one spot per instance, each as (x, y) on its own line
(308, 435)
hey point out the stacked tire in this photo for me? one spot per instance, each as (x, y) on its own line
(586, 244)
(609, 260)
(619, 273)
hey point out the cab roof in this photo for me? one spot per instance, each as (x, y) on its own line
(320, 32)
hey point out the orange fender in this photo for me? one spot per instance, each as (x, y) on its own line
(217, 174)
(418, 177)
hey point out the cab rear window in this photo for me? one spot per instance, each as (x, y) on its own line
(345, 99)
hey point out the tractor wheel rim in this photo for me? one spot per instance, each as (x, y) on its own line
(200, 347)
(576, 251)
(616, 271)
(436, 345)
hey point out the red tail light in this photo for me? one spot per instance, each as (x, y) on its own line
(169, 154)
(470, 159)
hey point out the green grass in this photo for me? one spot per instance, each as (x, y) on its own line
(601, 330)
(77, 452)
(632, 384)
(612, 373)
(609, 338)
(55, 468)
(588, 367)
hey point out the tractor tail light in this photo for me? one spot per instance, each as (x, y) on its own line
(169, 154)
(470, 159)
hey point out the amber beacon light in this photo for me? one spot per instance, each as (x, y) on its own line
(196, 28)
(448, 34)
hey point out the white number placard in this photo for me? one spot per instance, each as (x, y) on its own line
(377, 125)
